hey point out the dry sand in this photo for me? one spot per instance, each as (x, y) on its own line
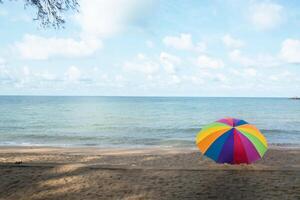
(93, 173)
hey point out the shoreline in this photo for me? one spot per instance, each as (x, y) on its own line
(154, 148)
(276, 157)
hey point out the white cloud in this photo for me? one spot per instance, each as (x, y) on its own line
(142, 64)
(273, 78)
(183, 42)
(151, 66)
(3, 12)
(26, 71)
(47, 76)
(238, 57)
(243, 77)
(283, 77)
(290, 51)
(250, 71)
(220, 78)
(205, 61)
(169, 62)
(97, 19)
(102, 18)
(231, 42)
(149, 44)
(119, 78)
(197, 80)
(200, 47)
(267, 60)
(174, 79)
(73, 74)
(266, 15)
(40, 48)
(5, 74)
(24, 76)
(260, 60)
(2, 61)
(27, 75)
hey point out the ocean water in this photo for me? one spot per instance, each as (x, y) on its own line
(138, 121)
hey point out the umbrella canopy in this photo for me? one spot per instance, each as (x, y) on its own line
(231, 141)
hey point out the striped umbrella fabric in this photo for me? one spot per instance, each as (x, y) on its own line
(232, 141)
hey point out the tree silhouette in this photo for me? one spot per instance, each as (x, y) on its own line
(50, 12)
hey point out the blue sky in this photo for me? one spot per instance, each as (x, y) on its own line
(154, 48)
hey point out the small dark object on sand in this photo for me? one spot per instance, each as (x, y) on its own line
(18, 162)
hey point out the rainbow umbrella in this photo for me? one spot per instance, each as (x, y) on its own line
(231, 141)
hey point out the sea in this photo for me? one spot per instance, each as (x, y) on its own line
(138, 121)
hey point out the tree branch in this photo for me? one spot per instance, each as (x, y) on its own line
(50, 12)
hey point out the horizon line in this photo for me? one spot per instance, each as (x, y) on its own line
(158, 96)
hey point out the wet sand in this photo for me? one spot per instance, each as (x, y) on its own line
(94, 173)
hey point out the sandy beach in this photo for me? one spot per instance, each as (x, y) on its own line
(94, 173)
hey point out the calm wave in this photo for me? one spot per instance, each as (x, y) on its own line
(137, 121)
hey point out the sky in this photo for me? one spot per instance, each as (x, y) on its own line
(154, 48)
